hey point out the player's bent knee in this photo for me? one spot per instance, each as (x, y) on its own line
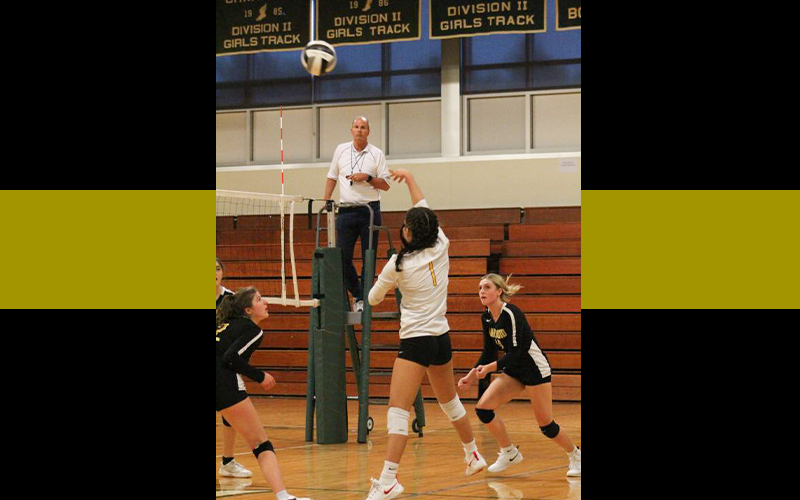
(265, 446)
(397, 421)
(454, 409)
(551, 430)
(485, 416)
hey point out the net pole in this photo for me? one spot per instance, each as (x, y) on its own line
(283, 255)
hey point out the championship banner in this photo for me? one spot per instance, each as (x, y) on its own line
(568, 15)
(247, 26)
(354, 22)
(454, 18)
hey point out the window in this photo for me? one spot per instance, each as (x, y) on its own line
(363, 72)
(536, 61)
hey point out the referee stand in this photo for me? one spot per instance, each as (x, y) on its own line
(330, 324)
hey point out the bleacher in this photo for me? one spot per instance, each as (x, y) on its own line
(540, 246)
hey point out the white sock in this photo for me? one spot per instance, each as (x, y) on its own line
(508, 450)
(283, 495)
(389, 473)
(470, 447)
(573, 451)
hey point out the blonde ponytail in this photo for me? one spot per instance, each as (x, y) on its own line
(507, 289)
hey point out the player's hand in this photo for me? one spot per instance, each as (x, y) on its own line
(400, 175)
(482, 371)
(360, 177)
(268, 382)
(467, 380)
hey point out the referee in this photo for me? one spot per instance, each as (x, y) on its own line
(360, 168)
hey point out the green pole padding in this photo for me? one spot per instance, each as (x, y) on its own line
(329, 346)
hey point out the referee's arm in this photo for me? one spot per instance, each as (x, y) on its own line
(379, 183)
(329, 187)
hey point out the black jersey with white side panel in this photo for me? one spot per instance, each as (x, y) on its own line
(236, 342)
(225, 292)
(512, 334)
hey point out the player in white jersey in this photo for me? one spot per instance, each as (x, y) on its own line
(420, 272)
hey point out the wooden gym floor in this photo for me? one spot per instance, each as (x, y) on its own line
(432, 466)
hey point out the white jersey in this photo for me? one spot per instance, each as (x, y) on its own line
(423, 283)
(346, 160)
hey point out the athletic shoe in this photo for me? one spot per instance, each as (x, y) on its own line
(359, 306)
(574, 464)
(298, 498)
(475, 463)
(505, 460)
(234, 469)
(378, 492)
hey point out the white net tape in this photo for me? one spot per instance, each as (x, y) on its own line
(267, 213)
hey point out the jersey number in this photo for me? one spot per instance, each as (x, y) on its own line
(221, 329)
(433, 274)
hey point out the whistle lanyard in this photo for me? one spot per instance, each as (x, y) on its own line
(359, 156)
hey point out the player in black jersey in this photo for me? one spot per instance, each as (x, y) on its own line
(525, 368)
(238, 336)
(221, 290)
(229, 467)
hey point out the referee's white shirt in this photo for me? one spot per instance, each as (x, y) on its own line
(346, 161)
(423, 283)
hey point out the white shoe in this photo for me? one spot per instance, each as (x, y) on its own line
(574, 464)
(298, 498)
(505, 460)
(475, 463)
(234, 469)
(359, 306)
(378, 492)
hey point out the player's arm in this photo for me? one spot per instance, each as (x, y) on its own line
(515, 352)
(488, 356)
(387, 280)
(487, 360)
(237, 363)
(401, 175)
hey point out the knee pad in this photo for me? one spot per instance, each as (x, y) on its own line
(265, 446)
(485, 416)
(551, 430)
(397, 421)
(454, 409)
(226, 423)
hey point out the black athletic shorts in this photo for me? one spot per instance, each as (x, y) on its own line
(427, 350)
(527, 372)
(230, 387)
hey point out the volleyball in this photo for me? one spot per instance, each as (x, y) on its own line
(318, 57)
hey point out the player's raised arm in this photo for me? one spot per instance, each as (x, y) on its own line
(400, 175)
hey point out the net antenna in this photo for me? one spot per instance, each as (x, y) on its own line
(242, 203)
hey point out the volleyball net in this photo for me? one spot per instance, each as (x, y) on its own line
(264, 217)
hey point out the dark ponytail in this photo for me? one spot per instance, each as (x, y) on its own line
(424, 226)
(233, 306)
